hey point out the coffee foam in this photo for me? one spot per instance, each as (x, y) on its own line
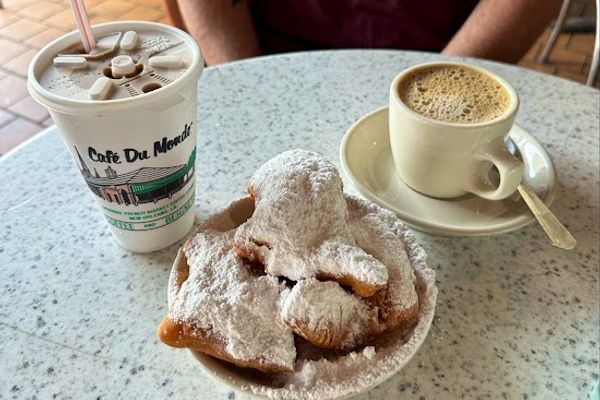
(454, 94)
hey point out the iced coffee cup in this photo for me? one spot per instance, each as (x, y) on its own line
(127, 113)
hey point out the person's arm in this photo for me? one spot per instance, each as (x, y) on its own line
(222, 28)
(502, 30)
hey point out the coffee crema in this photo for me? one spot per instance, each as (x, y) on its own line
(455, 94)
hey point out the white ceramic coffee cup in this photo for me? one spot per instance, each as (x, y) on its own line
(444, 160)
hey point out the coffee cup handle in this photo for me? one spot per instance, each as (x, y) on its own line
(510, 169)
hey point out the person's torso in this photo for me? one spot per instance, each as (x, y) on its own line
(291, 25)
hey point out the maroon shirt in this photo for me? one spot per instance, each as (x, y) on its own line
(293, 25)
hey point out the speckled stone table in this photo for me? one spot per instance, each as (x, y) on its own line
(516, 318)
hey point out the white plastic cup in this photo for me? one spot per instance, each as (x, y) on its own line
(136, 154)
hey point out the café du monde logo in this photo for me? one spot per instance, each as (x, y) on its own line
(143, 185)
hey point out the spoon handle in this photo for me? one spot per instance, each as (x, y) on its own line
(558, 234)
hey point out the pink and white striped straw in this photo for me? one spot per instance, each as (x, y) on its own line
(83, 23)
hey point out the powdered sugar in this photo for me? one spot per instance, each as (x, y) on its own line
(333, 377)
(222, 297)
(374, 231)
(299, 227)
(327, 314)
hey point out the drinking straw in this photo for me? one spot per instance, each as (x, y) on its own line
(83, 23)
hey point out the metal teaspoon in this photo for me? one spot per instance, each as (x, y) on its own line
(558, 234)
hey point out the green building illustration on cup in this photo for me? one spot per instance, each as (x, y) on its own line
(143, 185)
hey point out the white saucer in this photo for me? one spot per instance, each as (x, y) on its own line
(367, 161)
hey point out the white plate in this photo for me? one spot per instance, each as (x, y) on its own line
(368, 372)
(367, 161)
